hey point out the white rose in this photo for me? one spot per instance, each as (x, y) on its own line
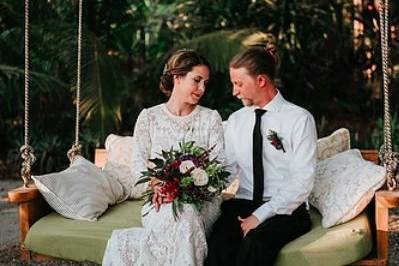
(185, 166)
(200, 177)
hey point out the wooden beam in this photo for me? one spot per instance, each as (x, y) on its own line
(31, 207)
(100, 157)
(384, 200)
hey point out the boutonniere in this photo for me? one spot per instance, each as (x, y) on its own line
(275, 140)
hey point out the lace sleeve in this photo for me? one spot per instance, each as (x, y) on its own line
(141, 153)
(216, 137)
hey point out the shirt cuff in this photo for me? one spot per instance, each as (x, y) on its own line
(264, 212)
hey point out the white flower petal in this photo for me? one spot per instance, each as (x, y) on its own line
(185, 166)
(200, 177)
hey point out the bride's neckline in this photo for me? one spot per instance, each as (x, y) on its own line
(166, 110)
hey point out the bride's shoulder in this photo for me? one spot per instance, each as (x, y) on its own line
(211, 115)
(149, 114)
(153, 110)
(207, 111)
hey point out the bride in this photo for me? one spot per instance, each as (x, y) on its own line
(163, 240)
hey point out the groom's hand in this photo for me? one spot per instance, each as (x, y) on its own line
(249, 223)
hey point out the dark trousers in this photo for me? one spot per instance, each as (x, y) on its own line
(261, 245)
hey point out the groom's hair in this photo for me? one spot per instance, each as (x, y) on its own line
(257, 60)
(179, 64)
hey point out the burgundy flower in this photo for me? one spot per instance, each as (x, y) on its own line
(170, 191)
(275, 140)
(175, 164)
(174, 182)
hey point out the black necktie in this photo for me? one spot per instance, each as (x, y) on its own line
(257, 158)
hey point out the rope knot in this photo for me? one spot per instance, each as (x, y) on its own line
(391, 162)
(73, 152)
(28, 158)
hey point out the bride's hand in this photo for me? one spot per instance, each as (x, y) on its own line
(157, 198)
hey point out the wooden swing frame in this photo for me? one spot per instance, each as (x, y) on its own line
(32, 207)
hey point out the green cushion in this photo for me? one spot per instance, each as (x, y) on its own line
(339, 245)
(56, 236)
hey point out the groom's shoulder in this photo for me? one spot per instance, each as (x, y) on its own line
(237, 116)
(243, 111)
(295, 110)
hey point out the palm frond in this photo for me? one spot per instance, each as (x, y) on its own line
(220, 47)
(41, 78)
(102, 89)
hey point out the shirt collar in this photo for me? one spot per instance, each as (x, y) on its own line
(275, 104)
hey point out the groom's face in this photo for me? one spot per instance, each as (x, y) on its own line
(244, 85)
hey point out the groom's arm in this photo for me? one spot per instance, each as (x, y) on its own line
(216, 137)
(230, 156)
(296, 188)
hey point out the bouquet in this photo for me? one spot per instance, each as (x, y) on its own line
(185, 176)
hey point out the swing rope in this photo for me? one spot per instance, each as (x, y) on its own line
(77, 147)
(26, 150)
(389, 159)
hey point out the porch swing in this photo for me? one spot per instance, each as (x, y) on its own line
(44, 234)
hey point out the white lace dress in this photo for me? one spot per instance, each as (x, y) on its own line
(162, 240)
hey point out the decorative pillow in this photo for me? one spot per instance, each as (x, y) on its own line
(119, 149)
(81, 192)
(337, 142)
(344, 185)
(119, 158)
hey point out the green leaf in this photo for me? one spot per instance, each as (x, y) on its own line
(158, 162)
(185, 181)
(103, 87)
(174, 208)
(142, 180)
(166, 155)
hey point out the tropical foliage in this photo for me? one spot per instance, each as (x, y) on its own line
(324, 66)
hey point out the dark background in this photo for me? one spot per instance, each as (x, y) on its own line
(329, 51)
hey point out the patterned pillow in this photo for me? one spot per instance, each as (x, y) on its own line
(81, 192)
(337, 142)
(119, 158)
(119, 149)
(344, 185)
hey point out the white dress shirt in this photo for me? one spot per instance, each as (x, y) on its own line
(289, 175)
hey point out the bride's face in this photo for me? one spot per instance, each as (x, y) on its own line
(192, 86)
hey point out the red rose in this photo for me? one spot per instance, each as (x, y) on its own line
(175, 164)
(170, 191)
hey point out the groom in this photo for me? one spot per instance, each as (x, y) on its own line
(270, 145)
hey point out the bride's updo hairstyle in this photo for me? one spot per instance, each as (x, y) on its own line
(179, 64)
(260, 58)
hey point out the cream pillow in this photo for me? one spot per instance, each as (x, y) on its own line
(344, 185)
(119, 149)
(81, 192)
(119, 159)
(119, 164)
(337, 142)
